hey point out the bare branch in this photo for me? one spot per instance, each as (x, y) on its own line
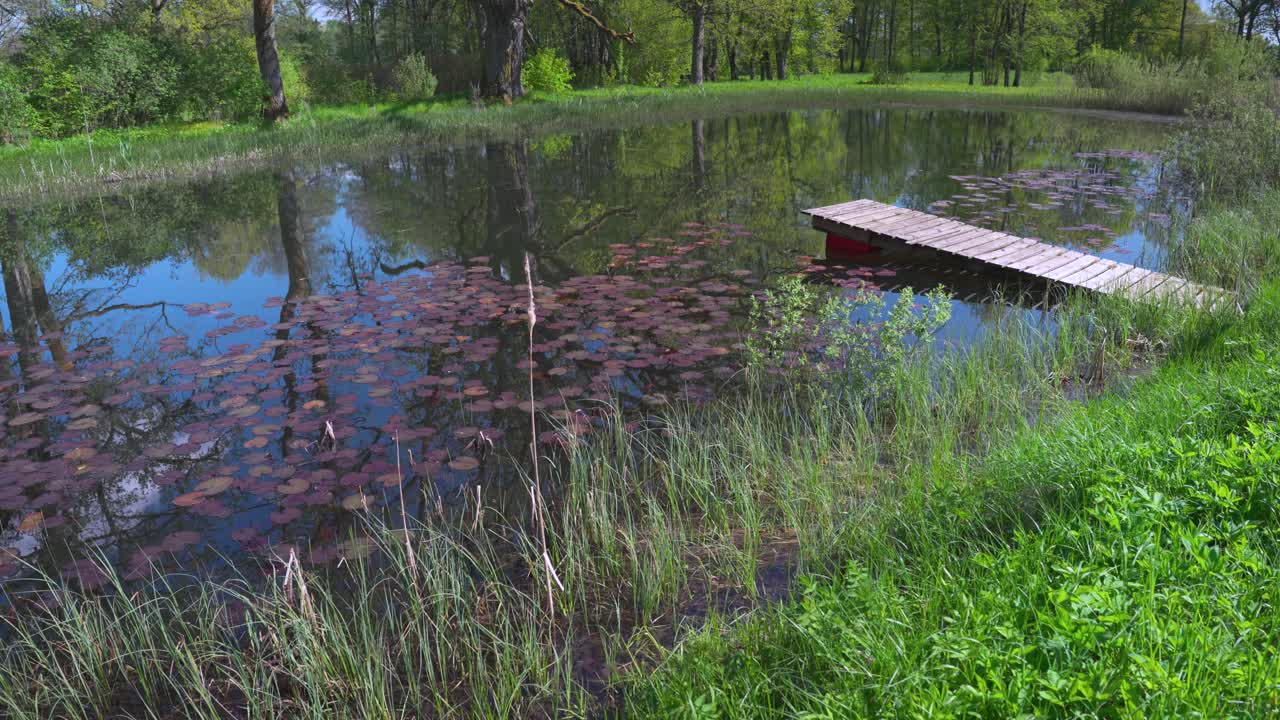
(628, 37)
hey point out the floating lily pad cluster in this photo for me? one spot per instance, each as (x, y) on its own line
(1075, 192)
(272, 430)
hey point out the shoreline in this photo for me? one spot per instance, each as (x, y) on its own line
(83, 166)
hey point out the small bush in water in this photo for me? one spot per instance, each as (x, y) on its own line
(800, 332)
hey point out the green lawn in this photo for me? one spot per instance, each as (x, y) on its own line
(176, 150)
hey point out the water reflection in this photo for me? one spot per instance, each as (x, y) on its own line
(246, 364)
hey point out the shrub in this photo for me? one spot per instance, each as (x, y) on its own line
(84, 75)
(17, 119)
(888, 73)
(222, 80)
(413, 79)
(851, 338)
(547, 71)
(1108, 70)
(127, 80)
(296, 89)
(1230, 146)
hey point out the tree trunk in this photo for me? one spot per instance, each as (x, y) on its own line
(781, 51)
(274, 106)
(1022, 44)
(699, 42)
(911, 33)
(766, 69)
(504, 28)
(733, 61)
(864, 46)
(711, 63)
(512, 211)
(292, 238)
(699, 156)
(973, 48)
(17, 290)
(50, 325)
(1182, 30)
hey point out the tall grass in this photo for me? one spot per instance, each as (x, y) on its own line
(1234, 246)
(651, 525)
(1119, 564)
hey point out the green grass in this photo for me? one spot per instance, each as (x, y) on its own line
(1123, 562)
(87, 164)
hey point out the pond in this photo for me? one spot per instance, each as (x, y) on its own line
(234, 367)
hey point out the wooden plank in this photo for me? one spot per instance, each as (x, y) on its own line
(856, 216)
(1006, 259)
(1053, 263)
(1080, 277)
(828, 209)
(992, 242)
(1072, 267)
(900, 224)
(941, 241)
(1050, 252)
(950, 226)
(960, 238)
(1169, 289)
(826, 225)
(1122, 284)
(1007, 252)
(1146, 284)
(1114, 275)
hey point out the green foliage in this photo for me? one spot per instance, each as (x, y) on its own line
(17, 118)
(851, 339)
(547, 71)
(1230, 146)
(1108, 69)
(222, 81)
(86, 75)
(413, 78)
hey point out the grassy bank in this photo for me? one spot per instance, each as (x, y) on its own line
(86, 164)
(1119, 562)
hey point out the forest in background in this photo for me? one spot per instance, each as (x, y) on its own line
(68, 68)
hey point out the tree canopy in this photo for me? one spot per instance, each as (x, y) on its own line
(68, 67)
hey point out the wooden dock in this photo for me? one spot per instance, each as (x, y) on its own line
(880, 225)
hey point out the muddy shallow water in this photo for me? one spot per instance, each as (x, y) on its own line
(196, 373)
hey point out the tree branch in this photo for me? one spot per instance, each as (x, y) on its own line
(628, 37)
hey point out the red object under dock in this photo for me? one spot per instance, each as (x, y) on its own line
(842, 247)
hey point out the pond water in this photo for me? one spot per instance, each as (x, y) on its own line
(236, 366)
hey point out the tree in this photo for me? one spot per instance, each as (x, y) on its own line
(275, 106)
(504, 26)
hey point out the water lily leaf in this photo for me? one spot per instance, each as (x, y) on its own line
(189, 499)
(358, 501)
(295, 486)
(464, 464)
(26, 419)
(214, 485)
(31, 522)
